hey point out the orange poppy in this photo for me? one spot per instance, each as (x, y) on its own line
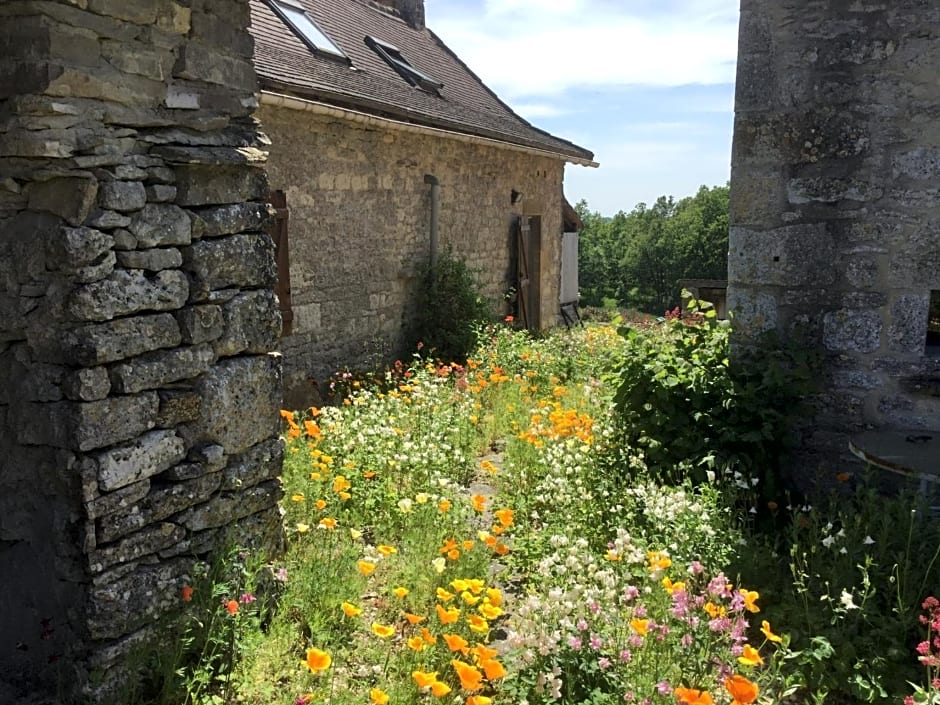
(447, 616)
(493, 669)
(232, 607)
(470, 677)
(317, 660)
(455, 642)
(413, 618)
(691, 696)
(742, 690)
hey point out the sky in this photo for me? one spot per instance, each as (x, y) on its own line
(647, 85)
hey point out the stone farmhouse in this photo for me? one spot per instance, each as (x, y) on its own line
(382, 142)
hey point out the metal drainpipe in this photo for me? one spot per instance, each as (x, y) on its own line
(435, 215)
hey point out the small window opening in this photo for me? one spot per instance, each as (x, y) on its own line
(933, 325)
(292, 12)
(393, 57)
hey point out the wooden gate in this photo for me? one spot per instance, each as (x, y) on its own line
(278, 232)
(527, 238)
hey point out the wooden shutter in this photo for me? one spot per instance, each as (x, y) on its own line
(521, 228)
(278, 231)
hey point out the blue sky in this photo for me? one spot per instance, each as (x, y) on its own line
(647, 85)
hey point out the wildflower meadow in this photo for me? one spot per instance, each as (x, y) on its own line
(498, 532)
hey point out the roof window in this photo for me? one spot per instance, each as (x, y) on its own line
(393, 57)
(292, 12)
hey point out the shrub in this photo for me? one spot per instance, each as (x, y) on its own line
(450, 309)
(694, 412)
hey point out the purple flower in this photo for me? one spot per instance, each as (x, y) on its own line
(595, 642)
(582, 625)
(686, 640)
(603, 663)
(626, 656)
(696, 568)
(663, 688)
(631, 592)
(639, 611)
(575, 642)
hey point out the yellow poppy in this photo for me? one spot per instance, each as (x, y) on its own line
(378, 697)
(382, 630)
(768, 634)
(317, 660)
(751, 656)
(365, 567)
(350, 610)
(449, 616)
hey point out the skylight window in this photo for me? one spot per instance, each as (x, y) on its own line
(293, 13)
(393, 57)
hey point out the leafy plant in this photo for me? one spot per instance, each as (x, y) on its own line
(450, 309)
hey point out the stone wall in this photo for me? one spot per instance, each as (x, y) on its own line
(359, 231)
(138, 401)
(835, 202)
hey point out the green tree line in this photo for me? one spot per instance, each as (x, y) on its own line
(635, 259)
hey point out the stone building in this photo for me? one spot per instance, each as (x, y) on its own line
(379, 136)
(138, 401)
(835, 210)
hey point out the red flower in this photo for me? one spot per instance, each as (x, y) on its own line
(509, 319)
(186, 593)
(232, 607)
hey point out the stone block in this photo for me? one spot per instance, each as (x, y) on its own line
(174, 18)
(177, 406)
(126, 337)
(917, 164)
(122, 499)
(156, 369)
(234, 218)
(164, 500)
(137, 58)
(143, 543)
(109, 421)
(143, 12)
(831, 190)
(161, 224)
(907, 332)
(154, 260)
(146, 456)
(124, 240)
(200, 324)
(252, 324)
(87, 384)
(70, 198)
(107, 220)
(244, 261)
(199, 62)
(161, 193)
(788, 256)
(848, 330)
(241, 398)
(203, 185)
(122, 196)
(256, 465)
(227, 507)
(755, 312)
(126, 292)
(79, 247)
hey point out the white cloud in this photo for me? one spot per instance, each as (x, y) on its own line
(534, 111)
(528, 48)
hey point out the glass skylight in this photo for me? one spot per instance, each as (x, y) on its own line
(393, 57)
(294, 14)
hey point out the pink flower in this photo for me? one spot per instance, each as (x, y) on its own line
(663, 688)
(247, 598)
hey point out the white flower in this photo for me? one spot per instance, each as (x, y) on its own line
(843, 551)
(868, 541)
(439, 563)
(828, 541)
(405, 505)
(847, 602)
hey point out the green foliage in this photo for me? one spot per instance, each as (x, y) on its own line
(637, 258)
(450, 308)
(860, 565)
(696, 413)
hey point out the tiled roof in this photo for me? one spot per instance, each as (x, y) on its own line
(286, 64)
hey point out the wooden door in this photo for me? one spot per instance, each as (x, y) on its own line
(278, 232)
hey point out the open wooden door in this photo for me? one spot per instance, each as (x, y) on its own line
(527, 255)
(278, 232)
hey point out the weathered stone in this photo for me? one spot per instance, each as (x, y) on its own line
(177, 406)
(211, 456)
(791, 256)
(218, 156)
(245, 261)
(129, 291)
(69, 198)
(848, 330)
(249, 384)
(148, 455)
(917, 164)
(84, 426)
(163, 501)
(124, 240)
(136, 58)
(120, 499)
(160, 224)
(108, 219)
(143, 543)
(161, 175)
(199, 543)
(161, 193)
(154, 260)
(122, 195)
(108, 421)
(234, 218)
(175, 18)
(200, 324)
(830, 190)
(156, 369)
(40, 382)
(123, 338)
(199, 62)
(229, 506)
(80, 247)
(87, 384)
(907, 332)
(252, 324)
(256, 465)
(204, 185)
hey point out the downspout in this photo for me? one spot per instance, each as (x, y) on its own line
(435, 217)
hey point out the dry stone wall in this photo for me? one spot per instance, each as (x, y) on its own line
(138, 398)
(835, 200)
(360, 191)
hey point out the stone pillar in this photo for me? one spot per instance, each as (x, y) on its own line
(834, 201)
(138, 398)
